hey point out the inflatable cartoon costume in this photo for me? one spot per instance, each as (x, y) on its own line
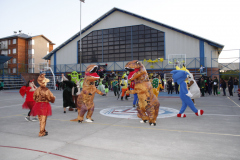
(180, 76)
(85, 99)
(148, 102)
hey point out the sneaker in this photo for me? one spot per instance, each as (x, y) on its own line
(35, 119)
(199, 113)
(181, 115)
(28, 119)
(89, 120)
(143, 121)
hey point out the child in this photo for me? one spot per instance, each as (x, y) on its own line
(29, 102)
(42, 108)
(106, 88)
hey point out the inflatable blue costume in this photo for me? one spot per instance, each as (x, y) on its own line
(180, 76)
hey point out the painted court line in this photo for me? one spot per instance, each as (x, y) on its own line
(169, 130)
(39, 151)
(233, 102)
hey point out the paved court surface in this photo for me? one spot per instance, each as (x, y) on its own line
(215, 135)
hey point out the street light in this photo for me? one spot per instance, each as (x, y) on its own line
(80, 48)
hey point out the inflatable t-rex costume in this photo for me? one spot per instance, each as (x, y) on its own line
(85, 99)
(148, 102)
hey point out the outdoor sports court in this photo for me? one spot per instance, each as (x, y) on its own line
(117, 134)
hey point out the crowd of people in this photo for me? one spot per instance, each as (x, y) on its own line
(118, 83)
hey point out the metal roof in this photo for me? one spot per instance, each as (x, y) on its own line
(48, 56)
(25, 36)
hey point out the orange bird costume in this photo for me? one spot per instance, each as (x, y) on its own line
(148, 102)
(42, 108)
(85, 99)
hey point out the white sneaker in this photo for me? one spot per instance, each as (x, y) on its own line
(88, 120)
(34, 119)
(142, 121)
(28, 119)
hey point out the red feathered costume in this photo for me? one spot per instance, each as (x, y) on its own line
(29, 102)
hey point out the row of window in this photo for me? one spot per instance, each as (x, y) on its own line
(124, 43)
(13, 70)
(14, 41)
(14, 51)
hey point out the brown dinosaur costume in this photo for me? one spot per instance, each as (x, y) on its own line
(85, 99)
(148, 102)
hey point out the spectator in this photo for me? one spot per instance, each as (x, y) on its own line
(215, 86)
(230, 86)
(170, 87)
(210, 82)
(1, 85)
(235, 84)
(223, 85)
(202, 86)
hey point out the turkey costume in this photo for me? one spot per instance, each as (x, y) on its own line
(42, 108)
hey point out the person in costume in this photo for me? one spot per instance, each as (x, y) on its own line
(148, 102)
(85, 99)
(100, 85)
(124, 84)
(42, 108)
(135, 100)
(67, 93)
(29, 102)
(106, 88)
(157, 85)
(180, 77)
(192, 84)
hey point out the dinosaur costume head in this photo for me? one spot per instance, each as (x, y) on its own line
(91, 74)
(136, 69)
(42, 80)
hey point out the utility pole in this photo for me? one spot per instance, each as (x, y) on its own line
(80, 42)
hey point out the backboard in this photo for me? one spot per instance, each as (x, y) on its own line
(177, 59)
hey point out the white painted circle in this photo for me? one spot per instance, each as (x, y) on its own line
(129, 112)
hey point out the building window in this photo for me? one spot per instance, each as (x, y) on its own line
(14, 60)
(30, 70)
(9, 51)
(48, 45)
(14, 50)
(31, 60)
(31, 51)
(9, 42)
(14, 41)
(122, 44)
(9, 62)
(14, 70)
(31, 42)
(9, 70)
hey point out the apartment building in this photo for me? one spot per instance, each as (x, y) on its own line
(27, 52)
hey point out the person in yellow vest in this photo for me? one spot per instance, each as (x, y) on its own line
(124, 84)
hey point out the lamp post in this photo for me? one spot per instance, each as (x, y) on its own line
(80, 42)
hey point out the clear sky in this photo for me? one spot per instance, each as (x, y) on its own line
(58, 20)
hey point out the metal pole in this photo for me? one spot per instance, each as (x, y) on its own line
(80, 44)
(211, 64)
